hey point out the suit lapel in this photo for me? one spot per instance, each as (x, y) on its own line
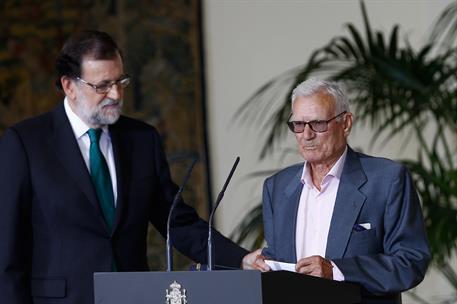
(349, 201)
(292, 195)
(121, 158)
(68, 153)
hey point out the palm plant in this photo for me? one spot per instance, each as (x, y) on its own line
(445, 29)
(395, 88)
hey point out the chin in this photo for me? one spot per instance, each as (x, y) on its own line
(111, 120)
(106, 119)
(112, 115)
(312, 157)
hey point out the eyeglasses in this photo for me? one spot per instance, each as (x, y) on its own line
(106, 86)
(315, 125)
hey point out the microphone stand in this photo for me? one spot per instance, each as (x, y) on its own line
(210, 221)
(173, 205)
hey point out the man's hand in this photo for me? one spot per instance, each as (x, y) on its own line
(315, 266)
(255, 261)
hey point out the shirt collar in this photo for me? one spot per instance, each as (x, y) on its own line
(79, 127)
(335, 171)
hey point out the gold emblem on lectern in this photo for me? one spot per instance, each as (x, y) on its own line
(176, 295)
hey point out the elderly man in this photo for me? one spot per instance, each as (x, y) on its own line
(80, 184)
(343, 215)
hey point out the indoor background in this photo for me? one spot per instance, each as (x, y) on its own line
(194, 64)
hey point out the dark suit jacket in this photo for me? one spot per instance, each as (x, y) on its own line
(390, 257)
(52, 233)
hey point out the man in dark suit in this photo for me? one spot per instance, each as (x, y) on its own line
(341, 214)
(80, 184)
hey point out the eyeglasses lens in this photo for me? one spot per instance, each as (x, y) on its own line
(299, 126)
(104, 88)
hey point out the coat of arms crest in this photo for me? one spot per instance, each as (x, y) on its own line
(176, 295)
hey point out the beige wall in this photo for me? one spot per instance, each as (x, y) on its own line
(249, 42)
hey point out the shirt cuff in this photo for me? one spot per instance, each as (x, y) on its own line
(337, 274)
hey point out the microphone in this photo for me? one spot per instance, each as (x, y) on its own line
(210, 221)
(175, 202)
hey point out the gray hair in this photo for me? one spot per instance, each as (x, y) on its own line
(314, 86)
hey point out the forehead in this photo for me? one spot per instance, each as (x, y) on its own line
(101, 69)
(317, 106)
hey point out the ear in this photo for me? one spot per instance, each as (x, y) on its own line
(347, 123)
(69, 87)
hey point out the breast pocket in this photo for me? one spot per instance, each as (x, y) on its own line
(362, 242)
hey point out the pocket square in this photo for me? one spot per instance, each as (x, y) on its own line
(362, 227)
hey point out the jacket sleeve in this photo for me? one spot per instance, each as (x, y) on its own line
(405, 254)
(267, 209)
(15, 221)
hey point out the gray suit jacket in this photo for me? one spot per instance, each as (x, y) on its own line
(390, 257)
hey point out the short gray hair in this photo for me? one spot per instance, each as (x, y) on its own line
(315, 86)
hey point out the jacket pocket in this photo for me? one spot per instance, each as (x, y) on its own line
(363, 236)
(363, 242)
(49, 287)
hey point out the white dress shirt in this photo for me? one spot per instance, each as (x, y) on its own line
(315, 212)
(80, 130)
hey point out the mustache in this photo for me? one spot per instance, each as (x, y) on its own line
(308, 144)
(110, 102)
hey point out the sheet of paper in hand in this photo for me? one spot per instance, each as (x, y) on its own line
(275, 265)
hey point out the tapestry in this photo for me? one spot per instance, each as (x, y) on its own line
(161, 44)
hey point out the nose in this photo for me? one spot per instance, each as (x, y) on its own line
(308, 133)
(115, 92)
(305, 136)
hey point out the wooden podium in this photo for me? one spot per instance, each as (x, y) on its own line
(220, 287)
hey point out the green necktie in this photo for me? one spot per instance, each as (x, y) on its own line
(99, 173)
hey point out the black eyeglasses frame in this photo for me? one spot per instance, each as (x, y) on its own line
(104, 88)
(313, 124)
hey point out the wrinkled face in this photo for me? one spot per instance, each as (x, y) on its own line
(93, 108)
(326, 147)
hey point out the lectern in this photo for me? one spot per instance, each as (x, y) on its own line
(220, 287)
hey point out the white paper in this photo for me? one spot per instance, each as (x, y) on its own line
(275, 265)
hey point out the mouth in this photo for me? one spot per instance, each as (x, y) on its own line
(309, 147)
(111, 104)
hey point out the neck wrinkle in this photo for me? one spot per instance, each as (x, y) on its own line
(320, 170)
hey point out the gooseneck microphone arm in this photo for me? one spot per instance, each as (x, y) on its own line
(210, 221)
(173, 205)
